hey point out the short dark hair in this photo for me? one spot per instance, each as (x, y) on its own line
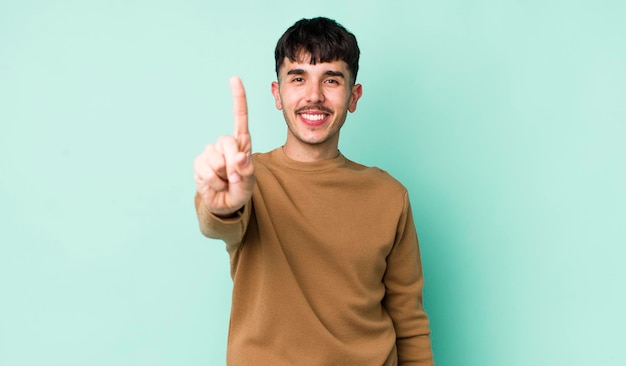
(322, 38)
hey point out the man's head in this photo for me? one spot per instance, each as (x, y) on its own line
(321, 39)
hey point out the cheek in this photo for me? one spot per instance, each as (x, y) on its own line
(287, 101)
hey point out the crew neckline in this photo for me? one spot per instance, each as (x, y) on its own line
(307, 166)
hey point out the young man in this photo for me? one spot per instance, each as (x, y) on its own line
(324, 255)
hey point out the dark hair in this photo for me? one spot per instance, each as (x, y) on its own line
(322, 38)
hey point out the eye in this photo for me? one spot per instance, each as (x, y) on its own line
(297, 80)
(333, 82)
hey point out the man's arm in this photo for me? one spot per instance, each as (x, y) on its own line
(230, 229)
(224, 172)
(403, 299)
(224, 176)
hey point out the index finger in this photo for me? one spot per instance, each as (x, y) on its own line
(240, 107)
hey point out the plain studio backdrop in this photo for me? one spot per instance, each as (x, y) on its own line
(504, 119)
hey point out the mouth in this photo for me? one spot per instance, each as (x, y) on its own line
(313, 118)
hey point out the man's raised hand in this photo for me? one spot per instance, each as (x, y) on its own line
(224, 172)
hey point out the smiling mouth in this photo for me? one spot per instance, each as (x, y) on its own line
(313, 119)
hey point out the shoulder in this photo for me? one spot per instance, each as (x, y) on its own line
(263, 160)
(378, 177)
(261, 157)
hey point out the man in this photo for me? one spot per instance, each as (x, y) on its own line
(324, 255)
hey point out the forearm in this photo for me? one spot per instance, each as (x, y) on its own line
(415, 350)
(411, 324)
(229, 229)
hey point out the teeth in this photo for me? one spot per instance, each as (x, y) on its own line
(313, 117)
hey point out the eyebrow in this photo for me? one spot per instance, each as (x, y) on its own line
(327, 73)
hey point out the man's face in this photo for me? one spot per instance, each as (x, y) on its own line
(315, 100)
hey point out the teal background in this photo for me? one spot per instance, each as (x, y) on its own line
(504, 119)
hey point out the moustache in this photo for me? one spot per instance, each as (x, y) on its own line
(316, 108)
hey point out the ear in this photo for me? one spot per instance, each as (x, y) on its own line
(276, 93)
(357, 91)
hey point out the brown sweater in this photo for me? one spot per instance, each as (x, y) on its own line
(325, 266)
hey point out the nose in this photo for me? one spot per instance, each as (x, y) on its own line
(314, 93)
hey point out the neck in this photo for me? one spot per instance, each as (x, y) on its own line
(310, 153)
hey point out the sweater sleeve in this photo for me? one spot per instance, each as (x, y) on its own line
(231, 230)
(403, 297)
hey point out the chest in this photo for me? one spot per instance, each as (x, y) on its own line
(326, 223)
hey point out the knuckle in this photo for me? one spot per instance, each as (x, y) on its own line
(216, 162)
(225, 140)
